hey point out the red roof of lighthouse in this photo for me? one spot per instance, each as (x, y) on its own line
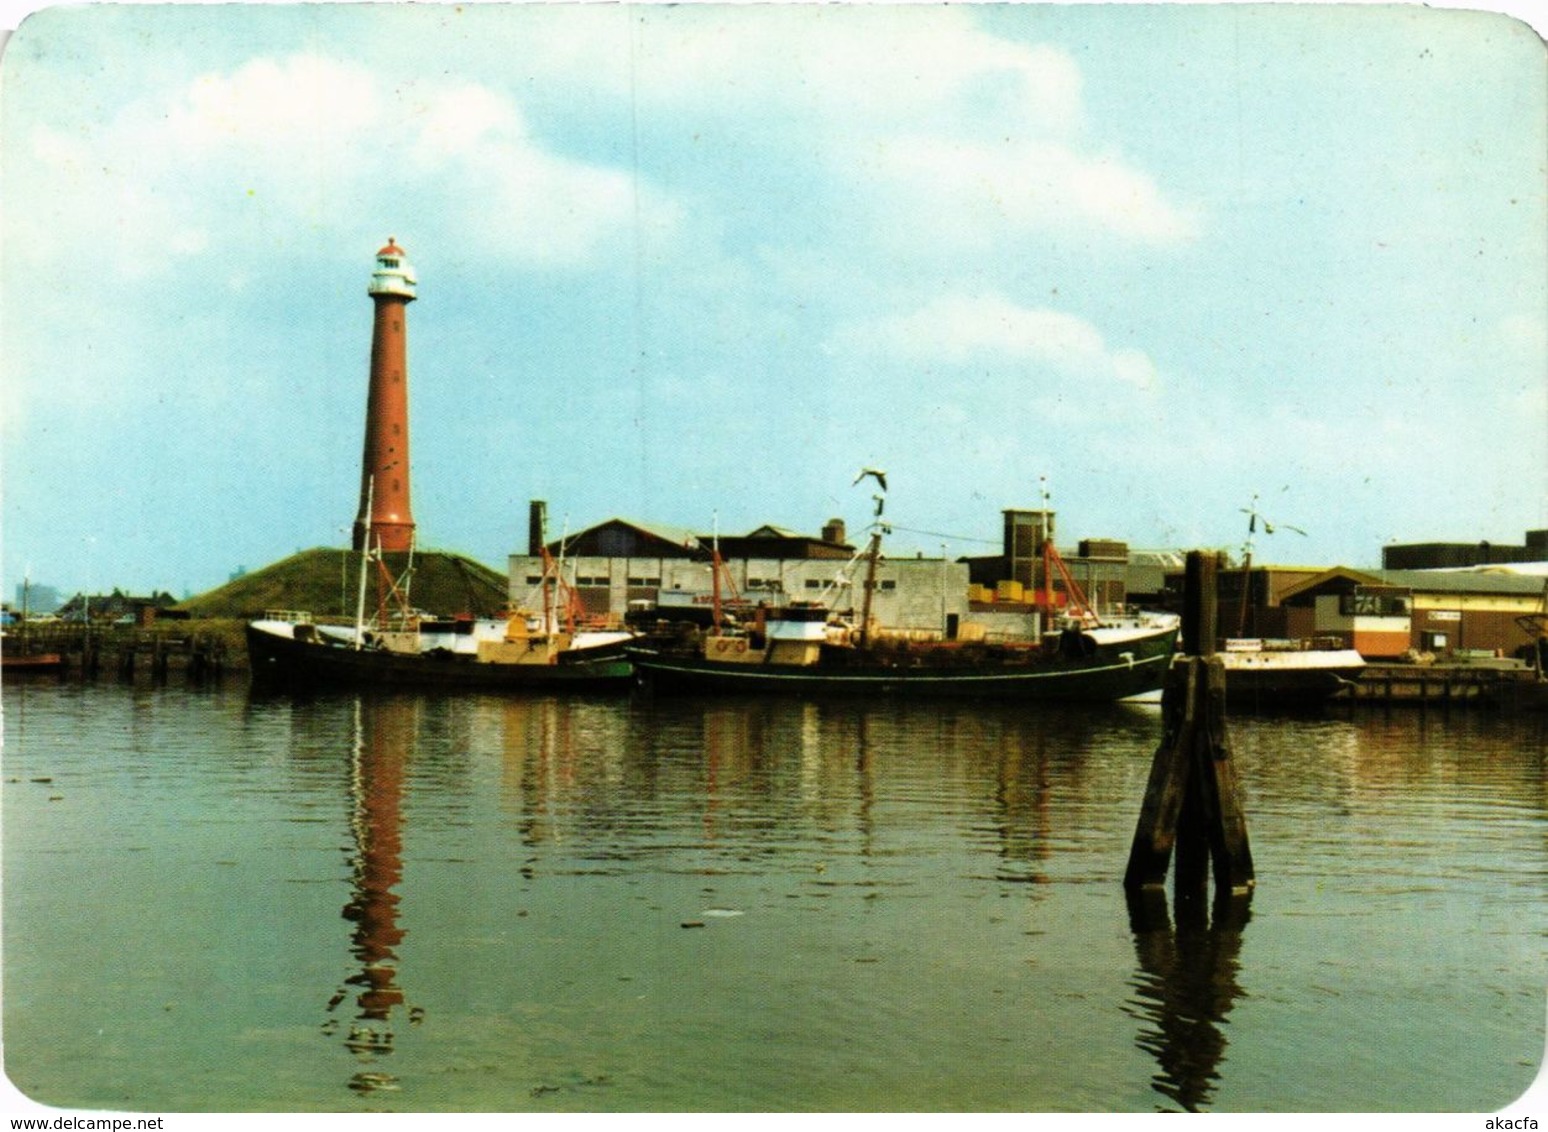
(392, 248)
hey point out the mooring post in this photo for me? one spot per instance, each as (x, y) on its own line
(1200, 603)
(1192, 802)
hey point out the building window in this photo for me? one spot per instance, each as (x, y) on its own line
(887, 584)
(534, 579)
(1373, 605)
(814, 583)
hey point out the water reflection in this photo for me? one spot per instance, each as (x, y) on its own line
(384, 731)
(1021, 824)
(771, 766)
(1185, 986)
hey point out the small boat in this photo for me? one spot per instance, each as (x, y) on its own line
(548, 647)
(1262, 673)
(803, 648)
(31, 664)
(27, 662)
(1269, 673)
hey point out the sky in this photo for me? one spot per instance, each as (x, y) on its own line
(698, 265)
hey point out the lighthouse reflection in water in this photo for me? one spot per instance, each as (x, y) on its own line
(429, 903)
(383, 734)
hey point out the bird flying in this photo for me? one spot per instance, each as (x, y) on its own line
(881, 476)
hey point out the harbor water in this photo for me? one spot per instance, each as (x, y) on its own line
(219, 902)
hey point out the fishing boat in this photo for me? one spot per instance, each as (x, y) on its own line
(520, 651)
(796, 650)
(805, 648)
(547, 645)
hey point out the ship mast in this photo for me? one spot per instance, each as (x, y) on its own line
(365, 557)
(1253, 518)
(1048, 597)
(715, 570)
(872, 554)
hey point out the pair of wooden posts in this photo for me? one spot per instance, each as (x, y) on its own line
(1192, 802)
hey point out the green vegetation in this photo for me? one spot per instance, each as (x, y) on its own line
(325, 582)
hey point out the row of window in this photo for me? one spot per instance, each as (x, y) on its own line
(768, 585)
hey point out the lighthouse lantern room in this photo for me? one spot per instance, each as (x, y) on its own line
(394, 275)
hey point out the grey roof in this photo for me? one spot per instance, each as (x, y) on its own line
(1163, 559)
(769, 530)
(677, 536)
(1463, 581)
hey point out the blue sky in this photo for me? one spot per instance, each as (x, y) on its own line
(700, 264)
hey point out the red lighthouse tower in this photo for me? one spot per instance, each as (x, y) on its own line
(384, 470)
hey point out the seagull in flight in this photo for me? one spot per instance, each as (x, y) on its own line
(881, 476)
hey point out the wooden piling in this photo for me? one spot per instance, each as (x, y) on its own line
(1192, 801)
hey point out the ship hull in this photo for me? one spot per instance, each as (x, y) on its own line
(32, 664)
(285, 662)
(1110, 672)
(1288, 679)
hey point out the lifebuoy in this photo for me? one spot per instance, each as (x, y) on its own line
(741, 646)
(721, 644)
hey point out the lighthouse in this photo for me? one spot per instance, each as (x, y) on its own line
(385, 520)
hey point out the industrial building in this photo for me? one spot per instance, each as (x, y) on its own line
(1384, 614)
(622, 564)
(1441, 613)
(1460, 555)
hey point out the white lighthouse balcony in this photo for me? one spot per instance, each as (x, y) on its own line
(394, 275)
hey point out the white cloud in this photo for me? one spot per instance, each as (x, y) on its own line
(988, 191)
(961, 329)
(456, 121)
(948, 129)
(271, 102)
(280, 149)
(930, 123)
(849, 66)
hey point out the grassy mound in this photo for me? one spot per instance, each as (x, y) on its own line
(325, 582)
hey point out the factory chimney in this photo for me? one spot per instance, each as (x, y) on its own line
(537, 526)
(384, 470)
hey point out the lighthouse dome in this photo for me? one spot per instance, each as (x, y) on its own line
(394, 275)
